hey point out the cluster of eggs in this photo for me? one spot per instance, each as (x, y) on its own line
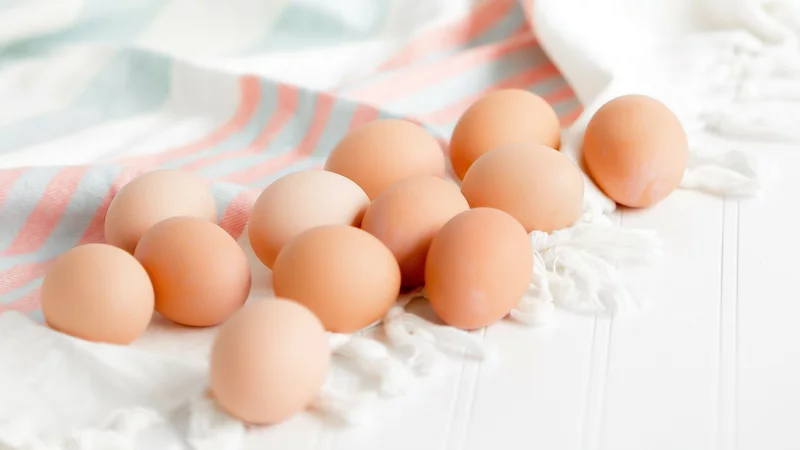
(344, 241)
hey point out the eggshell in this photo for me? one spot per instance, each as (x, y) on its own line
(501, 118)
(99, 293)
(346, 276)
(636, 150)
(298, 202)
(479, 267)
(383, 152)
(407, 215)
(539, 186)
(151, 198)
(269, 361)
(200, 274)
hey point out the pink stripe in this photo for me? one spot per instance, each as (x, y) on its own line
(22, 274)
(449, 36)
(48, 211)
(250, 93)
(324, 106)
(95, 232)
(560, 95)
(364, 113)
(526, 78)
(27, 303)
(236, 215)
(288, 99)
(568, 118)
(7, 179)
(405, 83)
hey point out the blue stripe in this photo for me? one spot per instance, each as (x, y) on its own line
(98, 21)
(133, 82)
(14, 294)
(566, 106)
(223, 194)
(471, 81)
(20, 201)
(77, 216)
(288, 137)
(267, 105)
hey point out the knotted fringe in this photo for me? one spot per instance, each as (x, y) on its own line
(577, 269)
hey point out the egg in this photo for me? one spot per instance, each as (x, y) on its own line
(407, 215)
(383, 152)
(300, 201)
(268, 361)
(500, 118)
(345, 275)
(151, 198)
(541, 187)
(479, 266)
(636, 150)
(200, 274)
(99, 293)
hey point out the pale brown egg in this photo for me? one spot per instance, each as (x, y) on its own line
(539, 186)
(383, 152)
(479, 267)
(345, 275)
(200, 274)
(151, 198)
(269, 361)
(99, 293)
(301, 201)
(407, 215)
(501, 118)
(636, 150)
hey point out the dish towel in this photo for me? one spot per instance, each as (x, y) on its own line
(102, 91)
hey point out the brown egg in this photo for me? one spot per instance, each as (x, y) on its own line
(99, 293)
(151, 198)
(345, 275)
(269, 361)
(383, 152)
(539, 186)
(407, 215)
(501, 118)
(636, 150)
(200, 274)
(298, 202)
(478, 269)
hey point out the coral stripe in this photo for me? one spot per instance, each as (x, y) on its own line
(453, 111)
(95, 231)
(48, 211)
(324, 107)
(7, 179)
(250, 93)
(402, 84)
(22, 274)
(364, 113)
(236, 215)
(452, 35)
(568, 118)
(27, 303)
(288, 99)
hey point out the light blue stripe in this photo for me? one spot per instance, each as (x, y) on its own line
(303, 26)
(266, 107)
(323, 149)
(133, 82)
(20, 201)
(289, 136)
(14, 294)
(98, 21)
(497, 33)
(566, 106)
(77, 216)
(471, 81)
(335, 129)
(37, 315)
(223, 194)
(547, 86)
